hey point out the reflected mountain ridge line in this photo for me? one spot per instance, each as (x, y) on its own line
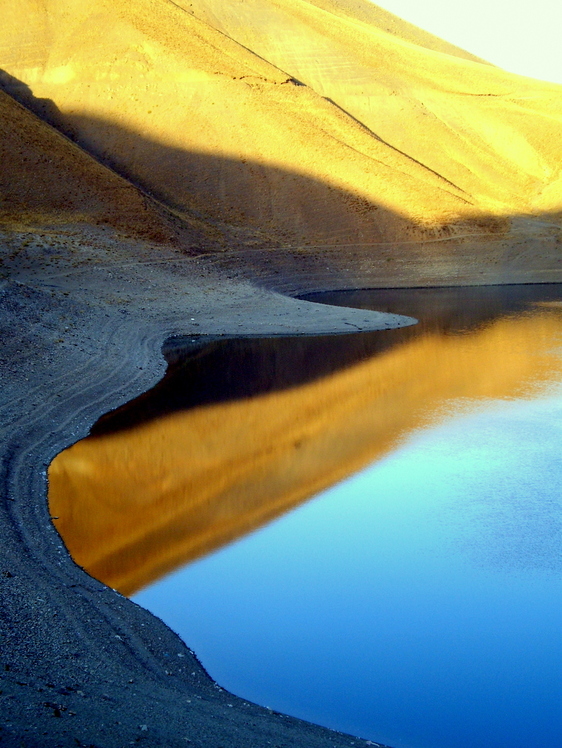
(293, 361)
(233, 462)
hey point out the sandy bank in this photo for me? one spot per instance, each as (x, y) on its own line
(83, 322)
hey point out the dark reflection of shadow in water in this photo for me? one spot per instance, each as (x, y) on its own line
(241, 431)
(201, 373)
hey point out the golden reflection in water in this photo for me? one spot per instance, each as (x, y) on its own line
(136, 504)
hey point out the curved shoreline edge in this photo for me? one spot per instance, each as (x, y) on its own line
(82, 334)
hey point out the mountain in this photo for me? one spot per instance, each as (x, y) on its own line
(171, 169)
(47, 179)
(302, 124)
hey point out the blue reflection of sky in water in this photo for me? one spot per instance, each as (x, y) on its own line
(418, 603)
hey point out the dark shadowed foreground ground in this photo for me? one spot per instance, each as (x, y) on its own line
(83, 322)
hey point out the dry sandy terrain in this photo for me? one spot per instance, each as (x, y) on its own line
(94, 277)
(82, 334)
(309, 125)
(175, 169)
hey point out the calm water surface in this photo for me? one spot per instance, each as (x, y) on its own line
(417, 599)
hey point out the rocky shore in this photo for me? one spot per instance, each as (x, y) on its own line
(84, 319)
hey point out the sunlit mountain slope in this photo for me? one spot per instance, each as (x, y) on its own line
(484, 130)
(291, 122)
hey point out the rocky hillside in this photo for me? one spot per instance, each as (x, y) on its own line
(305, 124)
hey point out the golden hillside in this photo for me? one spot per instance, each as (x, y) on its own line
(45, 178)
(291, 122)
(137, 503)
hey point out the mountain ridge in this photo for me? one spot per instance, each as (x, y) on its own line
(268, 124)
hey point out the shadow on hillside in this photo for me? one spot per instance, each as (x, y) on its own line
(336, 238)
(242, 203)
(45, 109)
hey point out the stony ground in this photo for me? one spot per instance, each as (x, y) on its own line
(83, 321)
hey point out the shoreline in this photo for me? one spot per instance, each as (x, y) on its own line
(81, 664)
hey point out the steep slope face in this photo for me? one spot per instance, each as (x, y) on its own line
(286, 123)
(367, 12)
(46, 179)
(492, 134)
(160, 95)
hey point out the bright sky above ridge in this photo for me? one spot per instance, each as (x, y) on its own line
(518, 35)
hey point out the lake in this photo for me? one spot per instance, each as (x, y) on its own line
(372, 521)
